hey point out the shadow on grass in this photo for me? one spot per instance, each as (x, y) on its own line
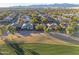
(17, 49)
(15, 46)
(1, 54)
(33, 52)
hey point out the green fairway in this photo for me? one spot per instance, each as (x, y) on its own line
(42, 49)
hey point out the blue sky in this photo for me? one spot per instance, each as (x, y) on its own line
(7, 3)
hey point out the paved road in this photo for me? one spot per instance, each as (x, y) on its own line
(66, 38)
(27, 33)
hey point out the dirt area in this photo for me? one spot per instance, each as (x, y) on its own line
(35, 38)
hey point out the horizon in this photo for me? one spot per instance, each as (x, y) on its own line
(26, 4)
(9, 3)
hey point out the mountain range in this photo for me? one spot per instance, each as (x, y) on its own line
(64, 5)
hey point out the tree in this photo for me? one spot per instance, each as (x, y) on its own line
(71, 28)
(34, 20)
(46, 29)
(2, 30)
(15, 47)
(74, 19)
(39, 27)
(11, 29)
(43, 19)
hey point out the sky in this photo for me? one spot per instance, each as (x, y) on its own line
(7, 3)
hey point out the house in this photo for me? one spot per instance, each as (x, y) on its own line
(52, 26)
(26, 18)
(8, 18)
(27, 26)
(23, 23)
(27, 23)
(49, 19)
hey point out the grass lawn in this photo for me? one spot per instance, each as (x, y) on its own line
(43, 49)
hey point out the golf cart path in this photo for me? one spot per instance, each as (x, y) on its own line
(64, 37)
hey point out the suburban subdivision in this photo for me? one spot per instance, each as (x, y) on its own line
(39, 30)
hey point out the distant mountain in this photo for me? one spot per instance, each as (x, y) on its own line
(64, 5)
(55, 5)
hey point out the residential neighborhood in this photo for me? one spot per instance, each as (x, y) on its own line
(39, 31)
